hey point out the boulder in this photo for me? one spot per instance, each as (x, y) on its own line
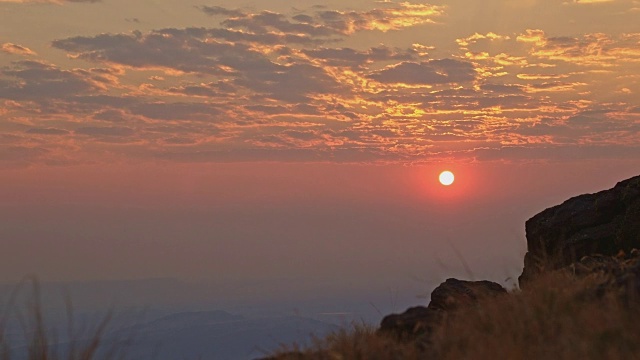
(450, 295)
(414, 322)
(453, 293)
(602, 223)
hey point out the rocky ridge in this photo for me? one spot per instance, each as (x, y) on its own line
(591, 239)
(603, 223)
(592, 235)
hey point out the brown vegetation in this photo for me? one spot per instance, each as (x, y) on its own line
(42, 342)
(558, 316)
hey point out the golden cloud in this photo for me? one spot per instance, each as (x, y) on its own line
(15, 49)
(595, 49)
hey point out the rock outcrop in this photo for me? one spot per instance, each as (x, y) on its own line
(602, 223)
(619, 274)
(415, 321)
(593, 237)
(447, 297)
(590, 235)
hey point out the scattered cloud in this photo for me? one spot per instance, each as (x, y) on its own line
(394, 17)
(190, 50)
(490, 36)
(426, 73)
(15, 49)
(355, 58)
(332, 22)
(587, 50)
(221, 11)
(321, 84)
(105, 131)
(47, 131)
(177, 111)
(39, 80)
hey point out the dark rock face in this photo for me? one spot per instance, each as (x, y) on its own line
(453, 293)
(601, 223)
(620, 274)
(413, 322)
(447, 297)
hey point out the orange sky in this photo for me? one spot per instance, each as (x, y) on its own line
(253, 138)
(373, 82)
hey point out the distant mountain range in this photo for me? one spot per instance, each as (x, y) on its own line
(215, 335)
(220, 335)
(167, 319)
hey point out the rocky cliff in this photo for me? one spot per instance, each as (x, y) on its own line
(588, 235)
(603, 223)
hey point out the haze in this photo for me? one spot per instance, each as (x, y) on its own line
(256, 142)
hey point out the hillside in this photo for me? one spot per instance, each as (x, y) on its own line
(578, 298)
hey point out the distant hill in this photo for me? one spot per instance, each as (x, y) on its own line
(220, 335)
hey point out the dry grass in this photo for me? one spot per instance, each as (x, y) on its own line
(556, 317)
(42, 342)
(358, 343)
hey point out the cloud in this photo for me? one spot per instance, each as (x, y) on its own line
(219, 10)
(553, 86)
(394, 17)
(426, 73)
(300, 109)
(292, 83)
(47, 131)
(192, 50)
(310, 86)
(105, 131)
(110, 115)
(556, 152)
(177, 111)
(490, 36)
(267, 20)
(15, 49)
(213, 89)
(535, 36)
(590, 127)
(178, 50)
(502, 88)
(169, 48)
(325, 23)
(595, 49)
(355, 58)
(39, 80)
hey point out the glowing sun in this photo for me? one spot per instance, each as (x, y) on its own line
(446, 178)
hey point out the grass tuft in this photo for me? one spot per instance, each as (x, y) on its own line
(558, 316)
(42, 342)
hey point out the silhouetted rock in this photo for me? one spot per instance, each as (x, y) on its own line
(620, 273)
(453, 293)
(448, 296)
(413, 322)
(602, 223)
(290, 355)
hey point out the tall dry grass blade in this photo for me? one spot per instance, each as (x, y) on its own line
(44, 344)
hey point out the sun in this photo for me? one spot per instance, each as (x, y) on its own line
(446, 178)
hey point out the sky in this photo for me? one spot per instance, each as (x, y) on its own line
(259, 140)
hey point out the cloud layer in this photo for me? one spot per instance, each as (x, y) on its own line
(317, 85)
